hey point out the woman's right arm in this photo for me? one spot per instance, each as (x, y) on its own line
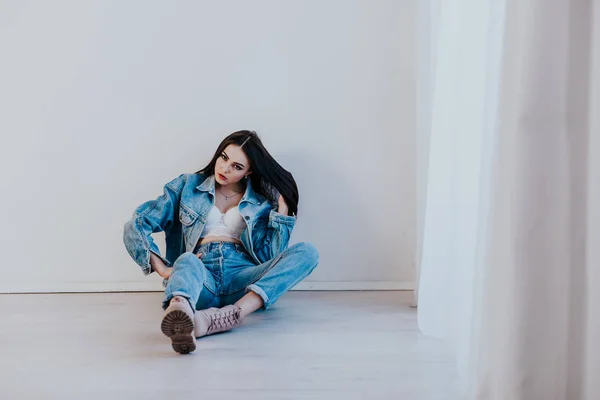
(151, 217)
(159, 266)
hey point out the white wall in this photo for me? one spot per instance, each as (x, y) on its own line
(103, 102)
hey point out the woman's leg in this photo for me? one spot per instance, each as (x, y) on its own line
(249, 303)
(270, 280)
(258, 286)
(189, 278)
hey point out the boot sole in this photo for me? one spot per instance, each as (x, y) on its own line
(178, 326)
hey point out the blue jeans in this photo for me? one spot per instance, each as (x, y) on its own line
(226, 272)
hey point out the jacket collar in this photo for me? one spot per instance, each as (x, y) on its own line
(208, 185)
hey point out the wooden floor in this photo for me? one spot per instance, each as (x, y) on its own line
(310, 345)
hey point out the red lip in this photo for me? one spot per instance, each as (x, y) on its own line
(222, 177)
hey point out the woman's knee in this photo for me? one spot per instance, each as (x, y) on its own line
(308, 253)
(187, 256)
(186, 259)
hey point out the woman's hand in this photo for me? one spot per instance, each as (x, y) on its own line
(282, 207)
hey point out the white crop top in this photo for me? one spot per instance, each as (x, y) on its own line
(230, 224)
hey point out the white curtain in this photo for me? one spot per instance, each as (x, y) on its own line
(509, 172)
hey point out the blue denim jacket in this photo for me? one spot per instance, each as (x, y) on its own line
(181, 213)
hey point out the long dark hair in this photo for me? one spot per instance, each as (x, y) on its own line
(268, 177)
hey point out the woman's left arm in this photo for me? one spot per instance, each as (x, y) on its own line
(279, 231)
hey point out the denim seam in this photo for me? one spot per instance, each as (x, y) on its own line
(210, 290)
(149, 210)
(148, 266)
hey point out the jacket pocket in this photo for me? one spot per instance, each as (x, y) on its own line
(186, 216)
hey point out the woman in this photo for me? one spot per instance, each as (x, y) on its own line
(227, 229)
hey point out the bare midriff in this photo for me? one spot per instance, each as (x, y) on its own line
(218, 239)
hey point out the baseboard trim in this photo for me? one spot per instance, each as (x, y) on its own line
(155, 286)
(355, 285)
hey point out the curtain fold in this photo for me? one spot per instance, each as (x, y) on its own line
(508, 170)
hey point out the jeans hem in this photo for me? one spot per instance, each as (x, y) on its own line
(256, 289)
(177, 293)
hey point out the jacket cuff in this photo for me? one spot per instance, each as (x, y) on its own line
(147, 268)
(282, 219)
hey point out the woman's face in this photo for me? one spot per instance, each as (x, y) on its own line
(232, 165)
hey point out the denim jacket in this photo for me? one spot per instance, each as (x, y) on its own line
(181, 213)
